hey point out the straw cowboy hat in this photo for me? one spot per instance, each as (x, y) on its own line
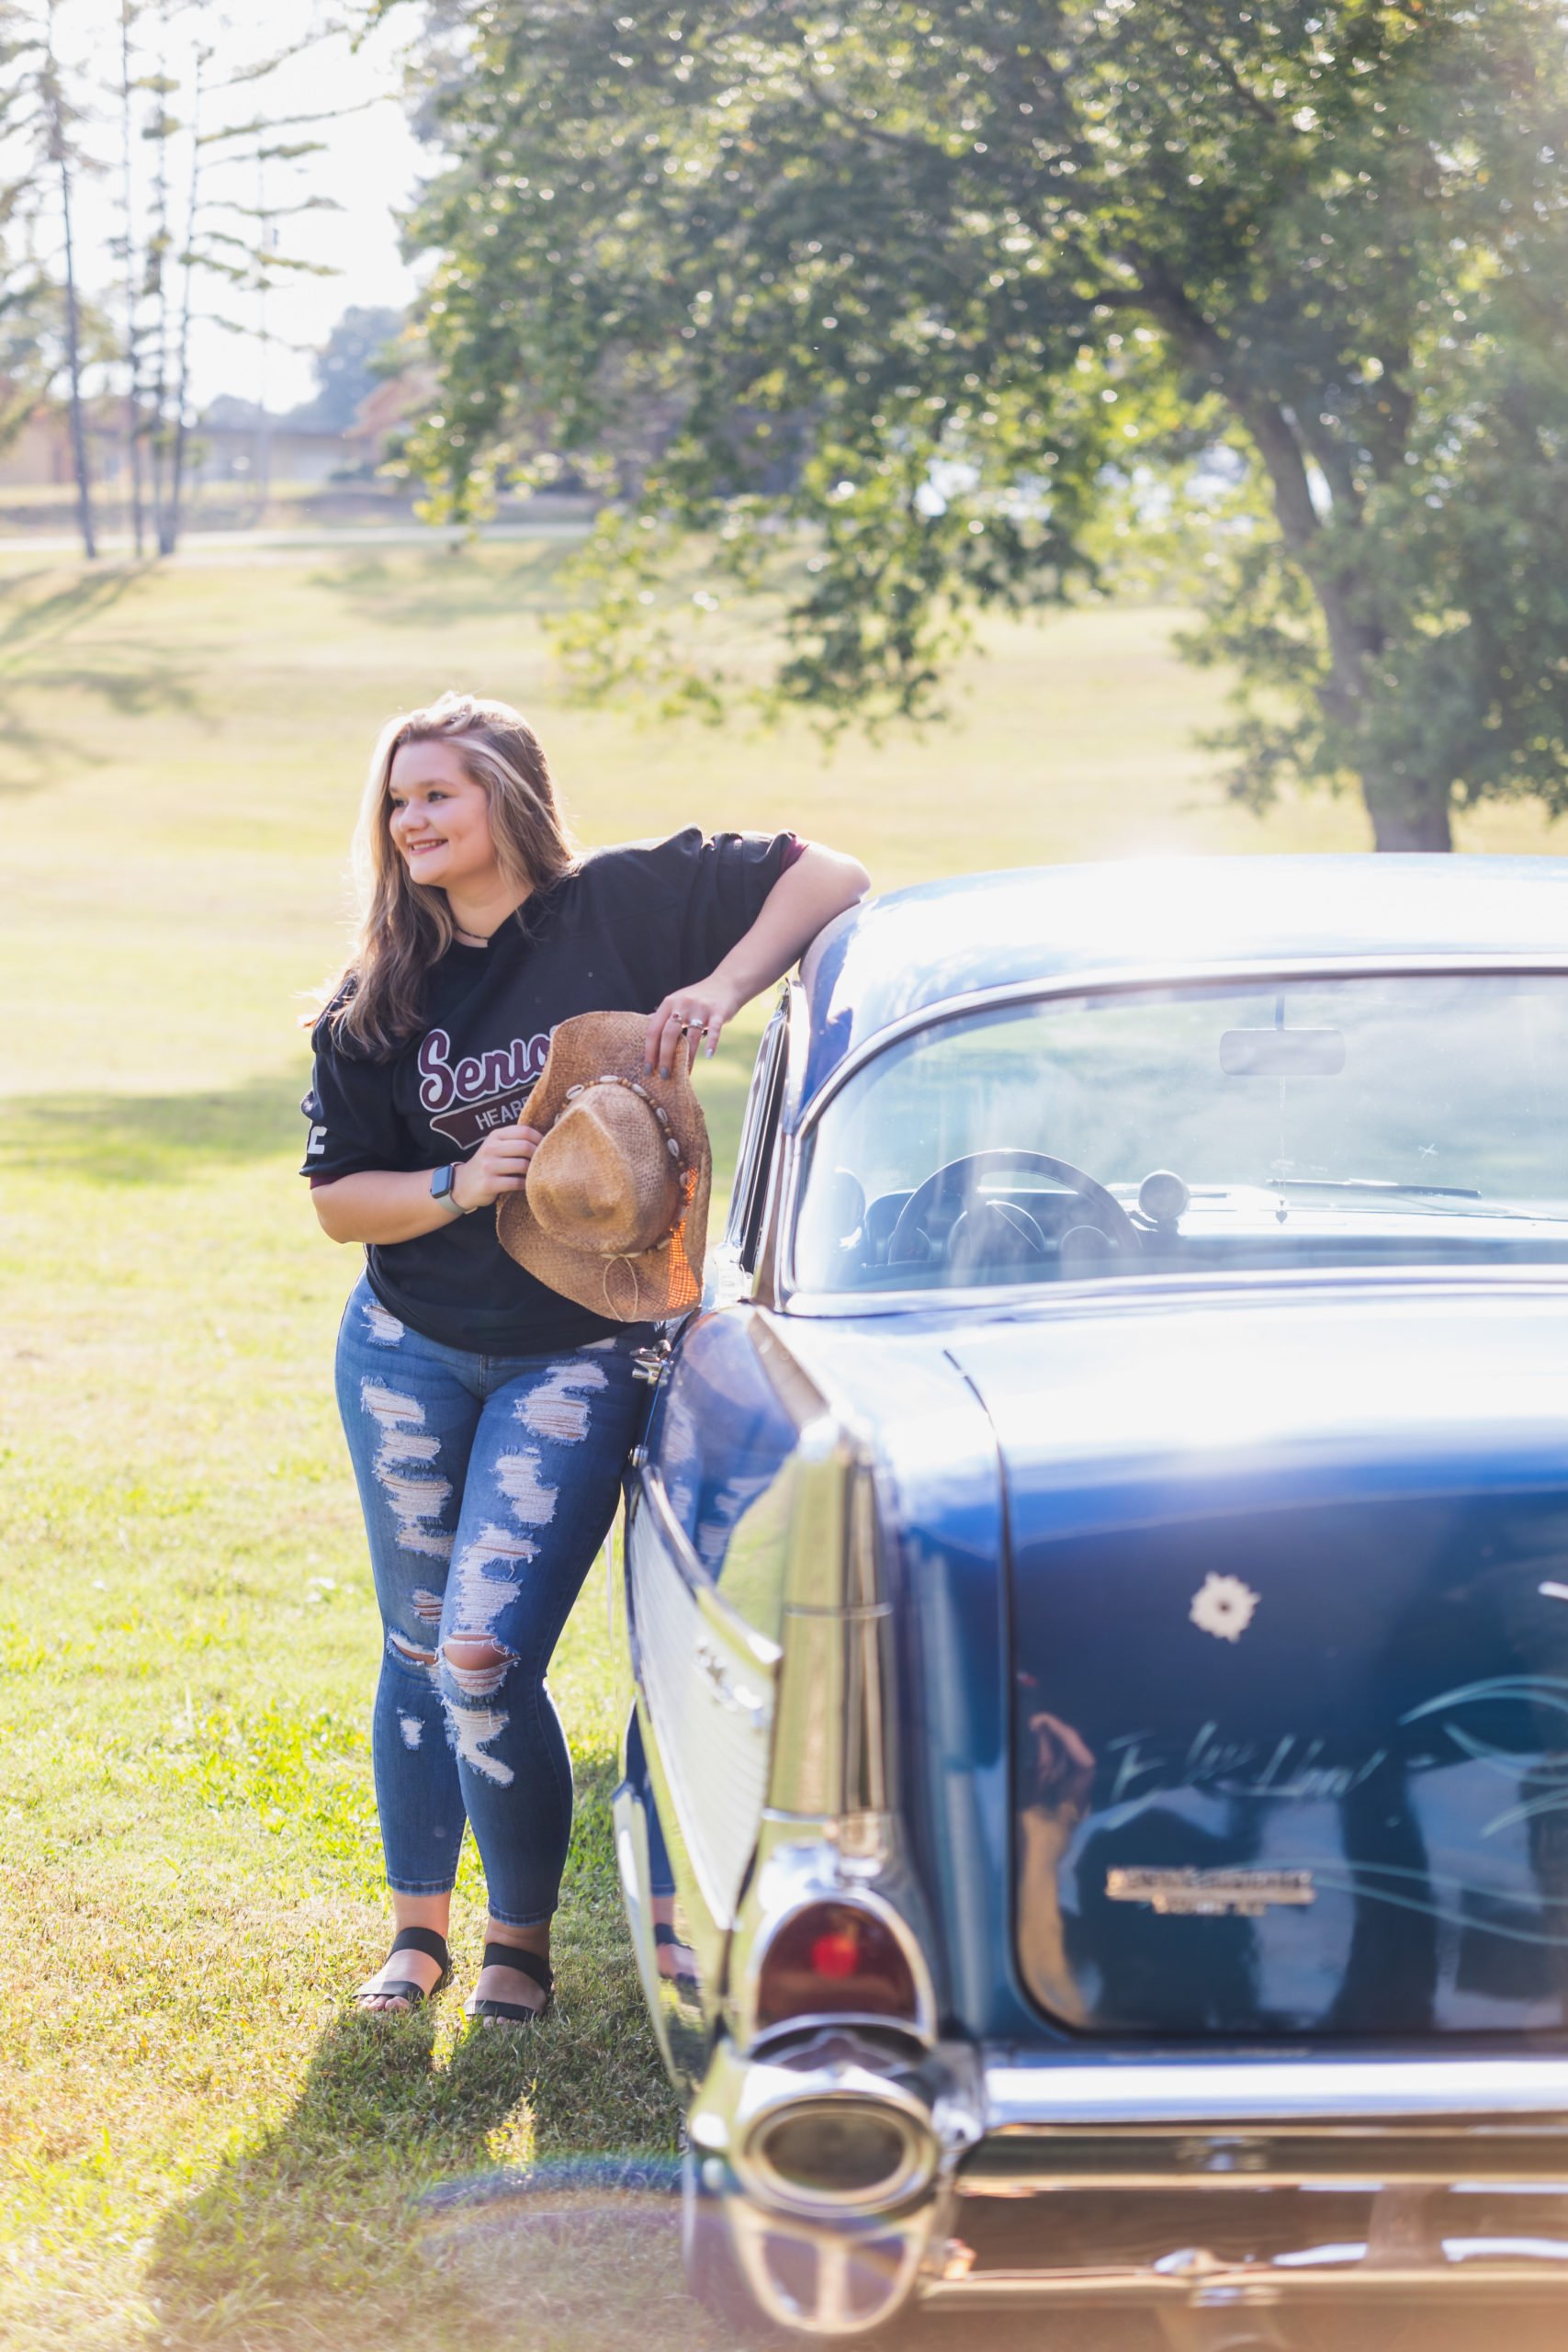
(615, 1212)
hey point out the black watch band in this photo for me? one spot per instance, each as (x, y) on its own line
(441, 1186)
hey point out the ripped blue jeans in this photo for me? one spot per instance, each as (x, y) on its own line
(488, 1485)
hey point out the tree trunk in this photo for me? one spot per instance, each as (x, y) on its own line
(132, 336)
(78, 432)
(1407, 815)
(74, 351)
(158, 254)
(181, 360)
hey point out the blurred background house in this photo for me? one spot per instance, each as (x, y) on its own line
(245, 464)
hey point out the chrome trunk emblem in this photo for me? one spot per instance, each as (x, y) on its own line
(1192, 1893)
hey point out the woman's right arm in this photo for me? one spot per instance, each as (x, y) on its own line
(382, 1205)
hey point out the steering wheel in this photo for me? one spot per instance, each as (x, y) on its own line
(956, 1181)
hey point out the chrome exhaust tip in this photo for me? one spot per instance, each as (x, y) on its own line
(838, 2153)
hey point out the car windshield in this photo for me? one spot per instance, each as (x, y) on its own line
(1318, 1122)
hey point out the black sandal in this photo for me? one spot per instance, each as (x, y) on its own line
(530, 1964)
(665, 1937)
(403, 1988)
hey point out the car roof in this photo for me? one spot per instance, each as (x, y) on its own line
(917, 949)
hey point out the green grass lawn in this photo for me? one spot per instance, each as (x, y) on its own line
(202, 2146)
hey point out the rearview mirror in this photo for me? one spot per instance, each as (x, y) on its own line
(1282, 1053)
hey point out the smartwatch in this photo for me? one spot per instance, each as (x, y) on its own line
(441, 1186)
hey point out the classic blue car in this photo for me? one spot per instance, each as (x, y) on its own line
(1096, 1821)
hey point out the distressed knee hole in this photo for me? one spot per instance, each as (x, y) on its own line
(476, 1665)
(410, 1652)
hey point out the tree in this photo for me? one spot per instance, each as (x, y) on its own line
(37, 115)
(928, 282)
(349, 365)
(55, 117)
(31, 309)
(204, 228)
(125, 250)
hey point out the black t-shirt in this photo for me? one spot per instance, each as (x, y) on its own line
(616, 936)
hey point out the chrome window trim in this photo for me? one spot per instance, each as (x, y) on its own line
(764, 1100)
(777, 1210)
(1215, 1287)
(798, 1007)
(1123, 980)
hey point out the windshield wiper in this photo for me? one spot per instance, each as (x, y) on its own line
(1367, 1184)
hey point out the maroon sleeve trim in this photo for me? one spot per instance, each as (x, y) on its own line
(794, 850)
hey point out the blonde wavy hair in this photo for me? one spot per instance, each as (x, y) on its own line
(376, 1000)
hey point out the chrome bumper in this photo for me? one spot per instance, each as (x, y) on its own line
(1150, 2181)
(1070, 2089)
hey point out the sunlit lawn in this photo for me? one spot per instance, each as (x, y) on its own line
(203, 2148)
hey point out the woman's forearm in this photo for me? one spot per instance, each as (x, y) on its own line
(820, 884)
(379, 1204)
(382, 1205)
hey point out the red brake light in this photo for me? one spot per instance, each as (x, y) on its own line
(837, 1953)
(835, 1960)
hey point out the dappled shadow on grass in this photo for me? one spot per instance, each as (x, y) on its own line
(307, 2216)
(150, 1138)
(339, 2224)
(333, 2228)
(39, 654)
(431, 588)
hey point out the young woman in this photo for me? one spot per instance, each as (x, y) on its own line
(488, 1418)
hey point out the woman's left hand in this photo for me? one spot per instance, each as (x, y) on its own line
(690, 1018)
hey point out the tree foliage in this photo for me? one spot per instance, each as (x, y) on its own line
(351, 363)
(885, 299)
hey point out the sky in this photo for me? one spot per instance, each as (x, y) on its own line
(369, 169)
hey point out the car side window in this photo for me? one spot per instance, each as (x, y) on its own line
(758, 1132)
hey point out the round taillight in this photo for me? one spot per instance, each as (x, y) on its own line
(835, 1960)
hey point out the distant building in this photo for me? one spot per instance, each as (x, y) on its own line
(234, 442)
(237, 442)
(39, 456)
(387, 407)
